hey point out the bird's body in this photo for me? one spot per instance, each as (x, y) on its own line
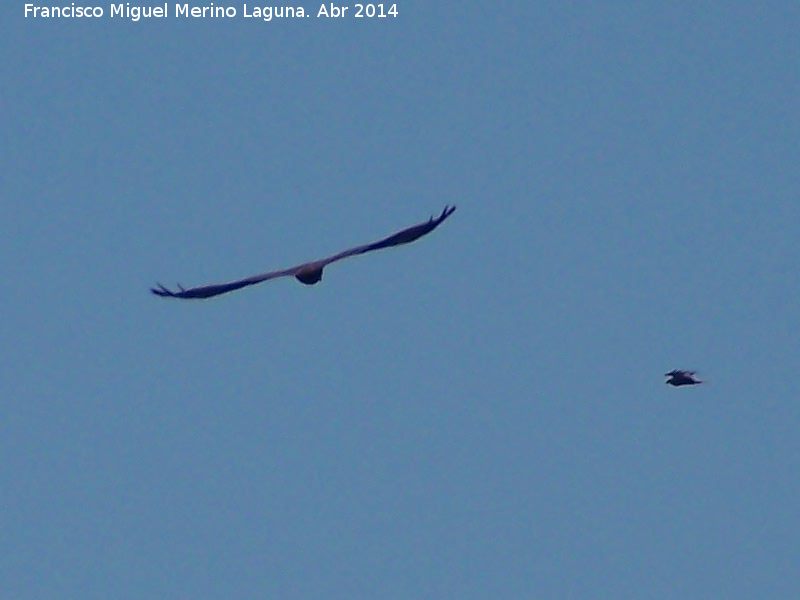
(311, 272)
(678, 377)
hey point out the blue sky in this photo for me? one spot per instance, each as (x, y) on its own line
(480, 414)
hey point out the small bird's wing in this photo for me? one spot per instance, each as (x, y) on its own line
(405, 236)
(207, 291)
(680, 373)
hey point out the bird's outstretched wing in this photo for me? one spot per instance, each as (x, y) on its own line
(406, 236)
(308, 273)
(207, 291)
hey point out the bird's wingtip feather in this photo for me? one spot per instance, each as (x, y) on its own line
(161, 291)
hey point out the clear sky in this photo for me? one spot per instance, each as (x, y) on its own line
(481, 414)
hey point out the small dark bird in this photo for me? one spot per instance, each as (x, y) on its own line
(678, 377)
(311, 272)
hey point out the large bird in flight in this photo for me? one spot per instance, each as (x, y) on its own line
(311, 272)
(678, 377)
